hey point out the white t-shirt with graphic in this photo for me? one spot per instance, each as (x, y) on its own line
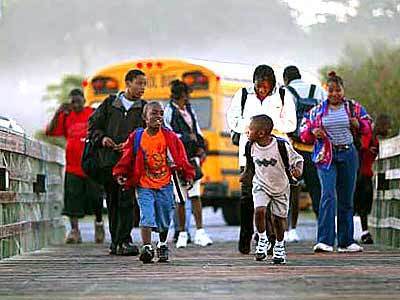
(270, 172)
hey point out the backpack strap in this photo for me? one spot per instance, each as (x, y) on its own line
(137, 139)
(293, 91)
(243, 100)
(247, 153)
(285, 158)
(312, 91)
(282, 95)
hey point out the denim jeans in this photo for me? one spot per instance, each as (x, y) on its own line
(338, 183)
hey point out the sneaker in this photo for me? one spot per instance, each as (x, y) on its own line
(113, 249)
(99, 232)
(162, 253)
(201, 238)
(73, 237)
(351, 248)
(292, 236)
(367, 239)
(285, 236)
(146, 254)
(279, 256)
(245, 243)
(261, 250)
(321, 247)
(127, 249)
(182, 240)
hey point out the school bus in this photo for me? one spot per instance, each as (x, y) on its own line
(213, 85)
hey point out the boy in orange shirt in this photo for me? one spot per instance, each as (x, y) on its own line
(149, 158)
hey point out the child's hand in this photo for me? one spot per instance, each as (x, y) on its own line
(121, 180)
(354, 123)
(246, 177)
(319, 133)
(296, 173)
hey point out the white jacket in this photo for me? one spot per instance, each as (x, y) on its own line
(284, 118)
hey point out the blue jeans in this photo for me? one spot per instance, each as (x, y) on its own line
(156, 207)
(338, 183)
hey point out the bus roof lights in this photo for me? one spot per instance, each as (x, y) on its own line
(149, 65)
(159, 65)
(139, 65)
(84, 83)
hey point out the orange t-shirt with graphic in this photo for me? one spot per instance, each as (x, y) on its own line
(157, 172)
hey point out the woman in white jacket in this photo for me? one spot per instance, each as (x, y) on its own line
(262, 98)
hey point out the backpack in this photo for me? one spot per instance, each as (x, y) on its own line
(282, 152)
(90, 162)
(235, 136)
(303, 106)
(356, 133)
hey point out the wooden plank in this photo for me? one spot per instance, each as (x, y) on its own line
(389, 147)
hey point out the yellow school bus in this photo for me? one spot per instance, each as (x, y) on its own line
(213, 85)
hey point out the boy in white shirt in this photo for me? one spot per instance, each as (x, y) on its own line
(270, 161)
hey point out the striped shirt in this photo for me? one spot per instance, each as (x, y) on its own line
(337, 126)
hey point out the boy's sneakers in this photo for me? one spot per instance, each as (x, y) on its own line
(279, 256)
(162, 253)
(99, 232)
(201, 238)
(351, 248)
(182, 240)
(292, 236)
(74, 237)
(146, 254)
(321, 247)
(261, 249)
(367, 238)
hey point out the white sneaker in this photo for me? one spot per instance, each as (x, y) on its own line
(279, 257)
(285, 236)
(261, 250)
(321, 247)
(182, 240)
(201, 238)
(351, 248)
(292, 236)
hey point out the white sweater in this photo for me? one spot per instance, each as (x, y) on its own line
(284, 118)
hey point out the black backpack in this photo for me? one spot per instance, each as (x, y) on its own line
(235, 136)
(90, 162)
(303, 106)
(282, 152)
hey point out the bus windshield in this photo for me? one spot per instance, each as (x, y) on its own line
(202, 108)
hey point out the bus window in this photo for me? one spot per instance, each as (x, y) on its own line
(202, 107)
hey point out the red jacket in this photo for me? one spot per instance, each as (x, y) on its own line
(73, 127)
(133, 167)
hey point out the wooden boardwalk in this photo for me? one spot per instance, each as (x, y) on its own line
(216, 272)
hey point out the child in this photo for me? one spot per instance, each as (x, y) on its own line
(364, 189)
(149, 158)
(270, 182)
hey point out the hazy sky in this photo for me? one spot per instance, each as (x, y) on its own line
(40, 40)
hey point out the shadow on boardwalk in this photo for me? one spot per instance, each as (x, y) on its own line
(216, 272)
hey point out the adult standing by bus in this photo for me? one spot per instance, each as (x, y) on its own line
(181, 118)
(261, 98)
(82, 196)
(305, 96)
(334, 127)
(109, 127)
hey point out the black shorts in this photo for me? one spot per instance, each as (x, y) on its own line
(81, 196)
(363, 196)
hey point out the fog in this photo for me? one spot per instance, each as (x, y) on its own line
(41, 40)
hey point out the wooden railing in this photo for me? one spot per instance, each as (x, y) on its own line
(31, 193)
(385, 217)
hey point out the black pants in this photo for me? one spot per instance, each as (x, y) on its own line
(120, 205)
(311, 179)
